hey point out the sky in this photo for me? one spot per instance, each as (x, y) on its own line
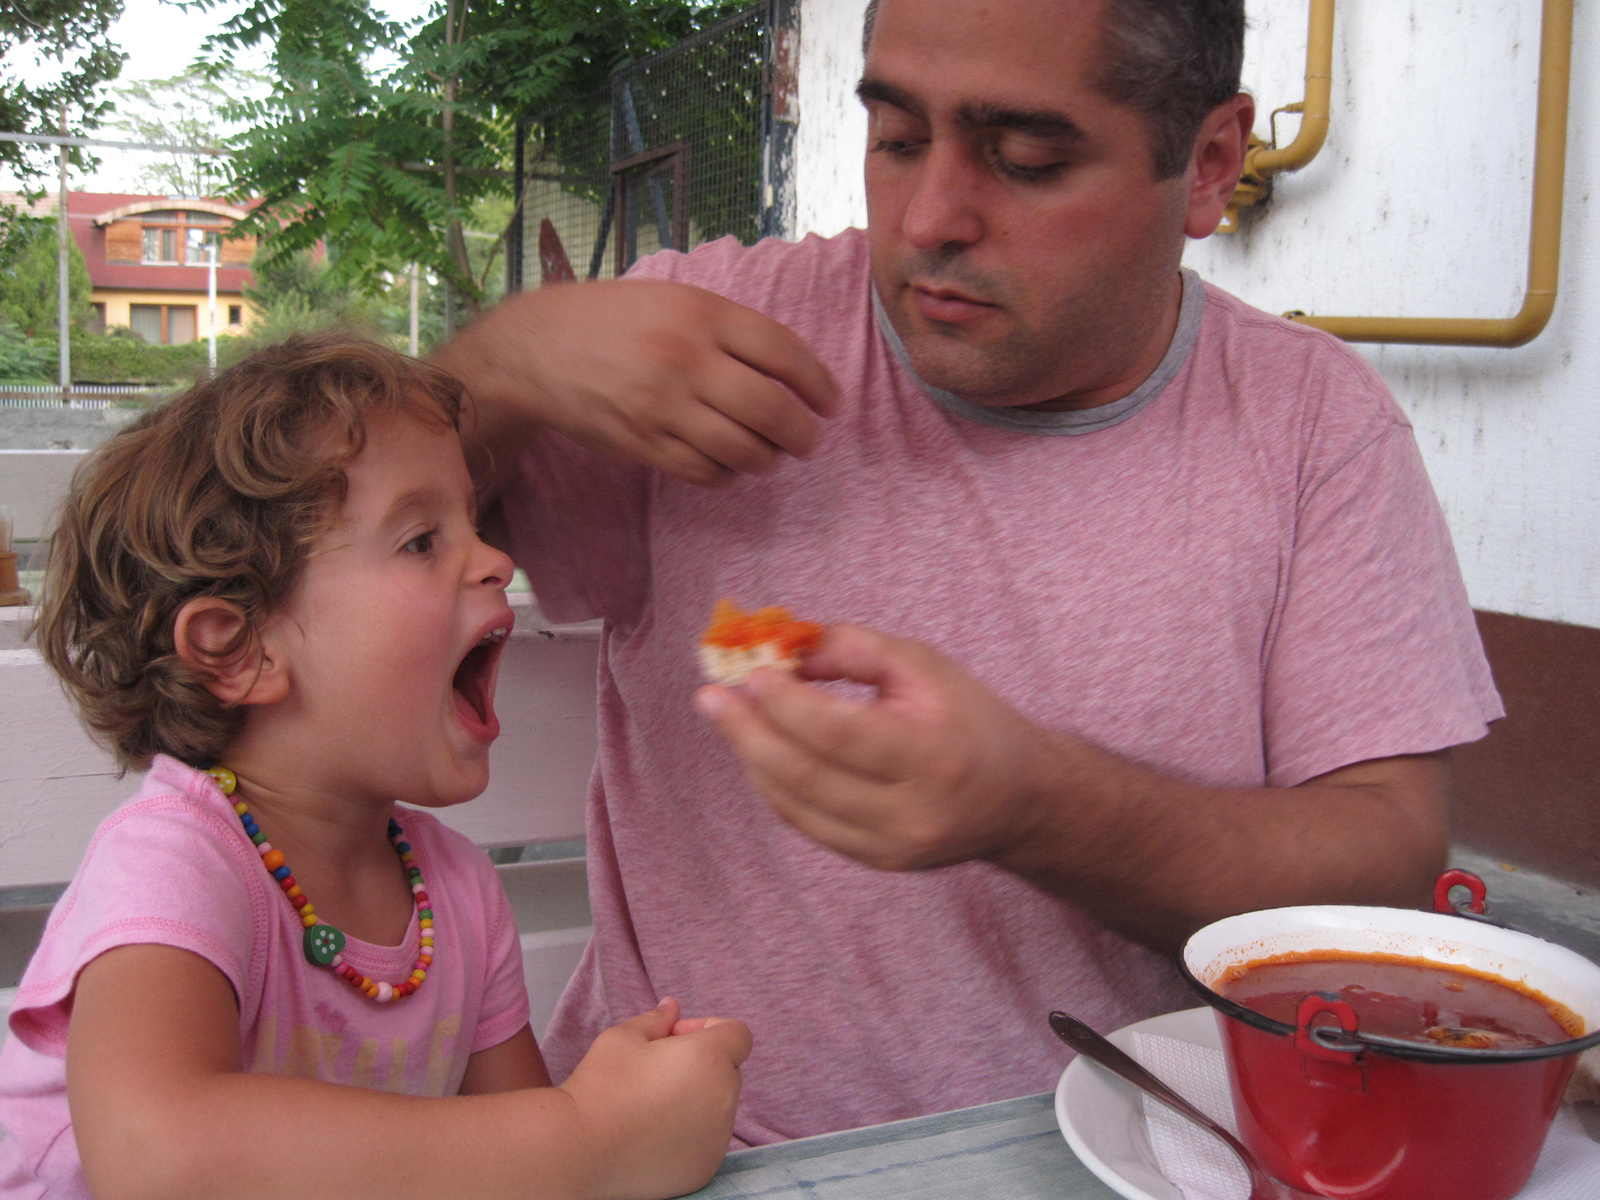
(160, 40)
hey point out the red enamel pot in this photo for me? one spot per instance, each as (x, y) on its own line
(1338, 1112)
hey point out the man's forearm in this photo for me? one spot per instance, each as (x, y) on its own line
(1156, 858)
(503, 412)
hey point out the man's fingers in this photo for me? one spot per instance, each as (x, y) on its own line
(778, 352)
(724, 439)
(760, 404)
(853, 832)
(816, 743)
(879, 740)
(868, 656)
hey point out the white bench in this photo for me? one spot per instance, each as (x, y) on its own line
(56, 785)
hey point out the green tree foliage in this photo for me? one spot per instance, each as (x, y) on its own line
(383, 165)
(30, 287)
(53, 56)
(299, 293)
(68, 39)
(181, 111)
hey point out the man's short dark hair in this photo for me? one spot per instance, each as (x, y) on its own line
(1171, 61)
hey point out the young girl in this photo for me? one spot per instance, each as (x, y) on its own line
(266, 978)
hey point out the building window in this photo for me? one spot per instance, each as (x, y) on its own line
(160, 245)
(180, 236)
(202, 245)
(235, 315)
(97, 317)
(163, 324)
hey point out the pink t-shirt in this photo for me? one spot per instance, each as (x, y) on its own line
(173, 867)
(1247, 581)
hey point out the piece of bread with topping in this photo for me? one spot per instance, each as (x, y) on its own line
(738, 642)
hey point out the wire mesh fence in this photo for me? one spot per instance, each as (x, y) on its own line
(675, 152)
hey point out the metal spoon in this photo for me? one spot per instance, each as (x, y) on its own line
(1091, 1045)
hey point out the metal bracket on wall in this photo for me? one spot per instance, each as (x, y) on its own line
(1544, 235)
(1262, 161)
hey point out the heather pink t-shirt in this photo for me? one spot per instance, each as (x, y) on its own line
(1245, 582)
(173, 867)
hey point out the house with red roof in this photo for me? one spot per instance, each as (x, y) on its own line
(147, 258)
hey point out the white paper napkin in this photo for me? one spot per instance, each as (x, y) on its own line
(1205, 1169)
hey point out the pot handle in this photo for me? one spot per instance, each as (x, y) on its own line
(1330, 1066)
(1455, 878)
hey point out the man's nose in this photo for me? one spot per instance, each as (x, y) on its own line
(945, 208)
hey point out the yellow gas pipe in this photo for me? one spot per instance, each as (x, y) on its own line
(1544, 237)
(1262, 161)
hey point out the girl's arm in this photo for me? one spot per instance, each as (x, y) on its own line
(162, 1108)
(514, 1063)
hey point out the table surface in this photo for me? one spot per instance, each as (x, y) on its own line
(1012, 1149)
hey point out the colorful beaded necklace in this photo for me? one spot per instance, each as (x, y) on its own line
(323, 942)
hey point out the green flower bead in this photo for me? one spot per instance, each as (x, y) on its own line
(323, 942)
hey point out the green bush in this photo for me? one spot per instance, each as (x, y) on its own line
(118, 356)
(22, 359)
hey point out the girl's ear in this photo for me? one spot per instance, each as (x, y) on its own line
(213, 636)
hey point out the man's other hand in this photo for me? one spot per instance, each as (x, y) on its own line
(672, 376)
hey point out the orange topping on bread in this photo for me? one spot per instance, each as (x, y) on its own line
(737, 642)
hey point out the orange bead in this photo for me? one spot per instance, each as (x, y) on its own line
(273, 859)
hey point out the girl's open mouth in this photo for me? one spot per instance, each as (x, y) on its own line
(473, 684)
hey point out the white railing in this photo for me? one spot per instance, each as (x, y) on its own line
(80, 395)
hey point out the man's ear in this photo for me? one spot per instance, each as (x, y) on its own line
(213, 636)
(1219, 150)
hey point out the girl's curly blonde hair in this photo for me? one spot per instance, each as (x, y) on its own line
(219, 492)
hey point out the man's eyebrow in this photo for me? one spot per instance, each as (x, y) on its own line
(870, 91)
(1044, 123)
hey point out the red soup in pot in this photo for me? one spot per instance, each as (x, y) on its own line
(1407, 998)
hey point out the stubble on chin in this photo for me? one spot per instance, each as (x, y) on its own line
(995, 364)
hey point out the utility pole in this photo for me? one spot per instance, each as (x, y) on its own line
(63, 315)
(211, 293)
(414, 273)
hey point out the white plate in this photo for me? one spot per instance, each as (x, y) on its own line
(1103, 1120)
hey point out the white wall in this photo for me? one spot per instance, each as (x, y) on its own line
(1417, 206)
(833, 128)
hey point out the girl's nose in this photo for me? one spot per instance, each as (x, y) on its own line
(492, 567)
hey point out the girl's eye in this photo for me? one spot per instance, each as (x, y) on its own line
(422, 543)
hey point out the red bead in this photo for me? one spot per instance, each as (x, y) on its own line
(422, 899)
(286, 882)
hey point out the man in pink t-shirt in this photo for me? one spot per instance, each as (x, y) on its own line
(1142, 610)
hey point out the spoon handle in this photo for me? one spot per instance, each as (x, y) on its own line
(1090, 1044)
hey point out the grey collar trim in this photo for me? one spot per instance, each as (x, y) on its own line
(1084, 420)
